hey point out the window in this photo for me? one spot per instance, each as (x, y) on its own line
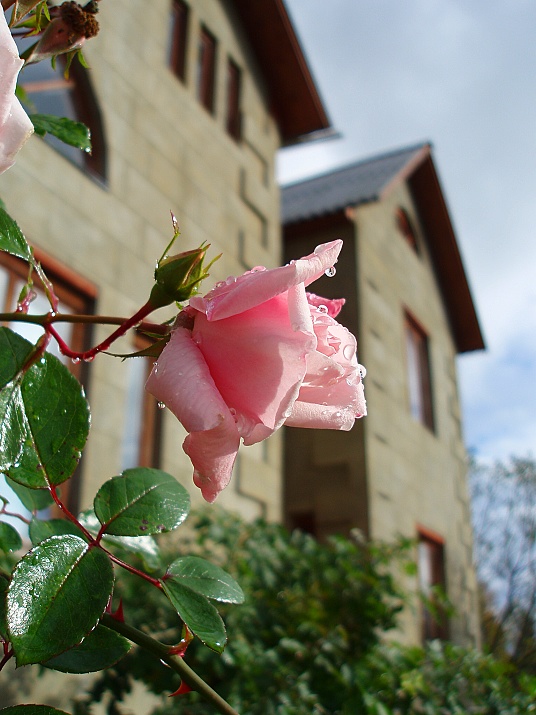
(49, 92)
(233, 118)
(75, 295)
(206, 69)
(178, 39)
(431, 566)
(405, 226)
(418, 363)
(143, 427)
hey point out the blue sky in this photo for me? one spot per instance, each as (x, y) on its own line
(461, 75)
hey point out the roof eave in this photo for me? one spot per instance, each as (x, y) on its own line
(433, 212)
(295, 101)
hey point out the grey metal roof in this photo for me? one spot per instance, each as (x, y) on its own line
(348, 186)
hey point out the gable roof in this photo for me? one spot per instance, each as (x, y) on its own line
(371, 180)
(295, 101)
(351, 185)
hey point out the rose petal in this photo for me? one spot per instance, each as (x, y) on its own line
(15, 126)
(182, 381)
(258, 361)
(253, 289)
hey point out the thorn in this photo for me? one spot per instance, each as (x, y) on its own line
(184, 688)
(118, 614)
(180, 649)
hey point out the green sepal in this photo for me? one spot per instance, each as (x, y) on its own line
(141, 502)
(101, 649)
(66, 130)
(205, 578)
(9, 538)
(57, 594)
(197, 613)
(22, 8)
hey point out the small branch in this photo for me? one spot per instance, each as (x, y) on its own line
(161, 651)
(49, 318)
(153, 581)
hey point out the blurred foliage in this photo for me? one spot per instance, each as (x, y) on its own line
(309, 639)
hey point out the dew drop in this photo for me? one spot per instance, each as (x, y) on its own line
(220, 284)
(323, 309)
(161, 406)
(338, 414)
(330, 272)
(325, 412)
(89, 358)
(348, 351)
(75, 360)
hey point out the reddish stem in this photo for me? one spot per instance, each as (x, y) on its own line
(8, 653)
(96, 541)
(90, 354)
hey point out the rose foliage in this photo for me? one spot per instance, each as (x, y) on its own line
(302, 644)
(255, 353)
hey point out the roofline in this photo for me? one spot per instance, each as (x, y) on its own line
(294, 97)
(426, 190)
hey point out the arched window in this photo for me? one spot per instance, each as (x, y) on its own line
(50, 92)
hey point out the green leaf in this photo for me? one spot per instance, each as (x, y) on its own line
(101, 649)
(44, 419)
(32, 710)
(141, 502)
(41, 530)
(12, 239)
(9, 538)
(197, 613)
(4, 584)
(57, 594)
(66, 130)
(32, 499)
(205, 578)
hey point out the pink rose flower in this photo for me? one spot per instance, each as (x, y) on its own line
(15, 126)
(255, 353)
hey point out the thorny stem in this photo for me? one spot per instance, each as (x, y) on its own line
(176, 663)
(121, 330)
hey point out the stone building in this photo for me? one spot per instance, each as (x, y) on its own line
(402, 470)
(189, 103)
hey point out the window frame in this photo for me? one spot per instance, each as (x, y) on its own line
(434, 621)
(419, 374)
(177, 58)
(405, 226)
(81, 96)
(206, 69)
(233, 114)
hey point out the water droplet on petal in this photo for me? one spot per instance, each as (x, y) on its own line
(348, 351)
(323, 309)
(161, 406)
(75, 360)
(89, 358)
(330, 272)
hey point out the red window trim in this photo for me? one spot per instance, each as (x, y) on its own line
(420, 341)
(179, 38)
(206, 69)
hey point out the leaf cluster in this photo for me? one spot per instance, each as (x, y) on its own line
(310, 608)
